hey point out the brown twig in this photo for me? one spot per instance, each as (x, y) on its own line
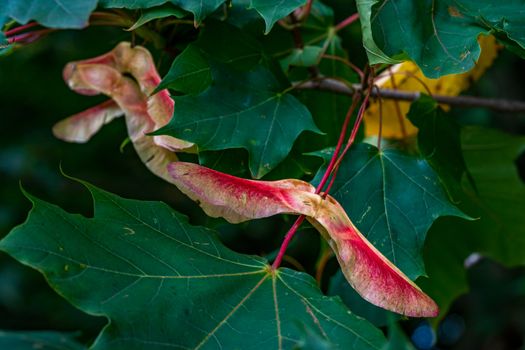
(333, 85)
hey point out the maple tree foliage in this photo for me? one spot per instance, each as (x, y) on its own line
(264, 109)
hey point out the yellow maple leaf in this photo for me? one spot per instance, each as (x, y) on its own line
(407, 76)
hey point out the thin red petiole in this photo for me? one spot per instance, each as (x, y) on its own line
(287, 238)
(333, 160)
(29, 37)
(19, 37)
(351, 140)
(352, 137)
(346, 22)
(20, 29)
(346, 62)
(291, 232)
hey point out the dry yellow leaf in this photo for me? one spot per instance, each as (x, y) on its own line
(407, 76)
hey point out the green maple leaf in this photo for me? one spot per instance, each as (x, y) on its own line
(498, 201)
(439, 35)
(191, 72)
(164, 283)
(200, 9)
(270, 10)
(273, 10)
(159, 12)
(50, 13)
(393, 199)
(439, 141)
(132, 4)
(242, 109)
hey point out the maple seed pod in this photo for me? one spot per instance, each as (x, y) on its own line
(107, 74)
(371, 274)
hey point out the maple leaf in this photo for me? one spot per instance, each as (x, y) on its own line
(409, 77)
(106, 74)
(371, 274)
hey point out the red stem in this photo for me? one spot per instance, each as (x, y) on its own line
(18, 38)
(347, 63)
(28, 37)
(306, 11)
(20, 28)
(333, 160)
(286, 241)
(352, 137)
(346, 22)
(291, 232)
(357, 124)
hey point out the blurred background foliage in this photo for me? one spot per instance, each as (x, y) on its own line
(33, 97)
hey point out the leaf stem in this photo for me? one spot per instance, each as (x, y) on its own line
(355, 128)
(346, 22)
(28, 37)
(333, 160)
(291, 232)
(347, 63)
(20, 29)
(287, 239)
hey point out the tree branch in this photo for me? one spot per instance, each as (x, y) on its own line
(333, 85)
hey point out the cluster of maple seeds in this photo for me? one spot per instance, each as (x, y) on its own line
(221, 195)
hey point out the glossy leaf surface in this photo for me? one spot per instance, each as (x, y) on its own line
(160, 279)
(273, 10)
(242, 109)
(394, 199)
(270, 10)
(441, 35)
(499, 202)
(439, 141)
(51, 13)
(200, 9)
(159, 12)
(191, 73)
